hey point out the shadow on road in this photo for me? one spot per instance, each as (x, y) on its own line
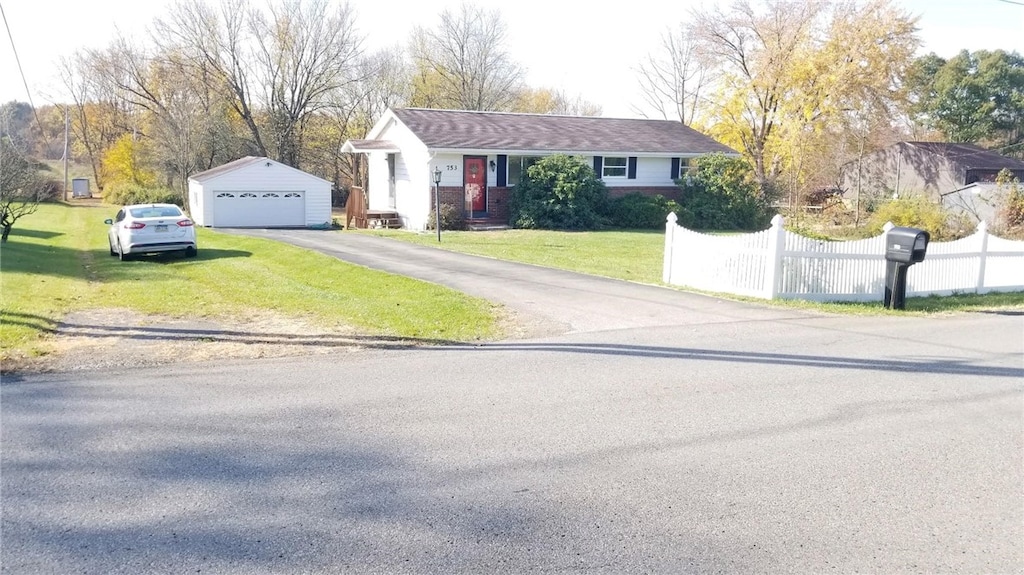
(171, 486)
(922, 365)
(909, 365)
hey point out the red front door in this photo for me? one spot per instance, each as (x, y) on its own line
(475, 181)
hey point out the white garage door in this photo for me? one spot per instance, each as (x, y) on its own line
(259, 209)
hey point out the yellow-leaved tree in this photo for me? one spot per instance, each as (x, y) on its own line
(127, 162)
(794, 78)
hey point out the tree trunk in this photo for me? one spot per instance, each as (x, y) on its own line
(6, 232)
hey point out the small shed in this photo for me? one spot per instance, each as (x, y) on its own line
(80, 188)
(255, 192)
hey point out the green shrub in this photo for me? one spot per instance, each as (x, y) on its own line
(558, 192)
(919, 212)
(451, 218)
(721, 194)
(639, 212)
(50, 190)
(1010, 205)
(125, 193)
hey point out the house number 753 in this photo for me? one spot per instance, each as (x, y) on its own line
(451, 167)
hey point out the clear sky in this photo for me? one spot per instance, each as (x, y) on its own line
(582, 48)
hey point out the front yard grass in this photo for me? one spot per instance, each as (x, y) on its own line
(633, 255)
(57, 261)
(636, 255)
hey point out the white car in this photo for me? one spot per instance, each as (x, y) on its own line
(151, 228)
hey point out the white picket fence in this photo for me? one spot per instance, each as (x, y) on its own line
(778, 264)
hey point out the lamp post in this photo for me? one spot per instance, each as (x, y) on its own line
(437, 201)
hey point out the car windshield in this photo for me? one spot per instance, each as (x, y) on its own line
(155, 212)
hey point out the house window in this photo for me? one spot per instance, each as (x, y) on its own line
(517, 166)
(614, 167)
(685, 165)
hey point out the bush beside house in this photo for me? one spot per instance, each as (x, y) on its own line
(721, 194)
(639, 212)
(558, 192)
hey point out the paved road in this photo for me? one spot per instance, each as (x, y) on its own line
(729, 444)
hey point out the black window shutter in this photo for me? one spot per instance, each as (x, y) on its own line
(675, 168)
(631, 168)
(502, 170)
(598, 164)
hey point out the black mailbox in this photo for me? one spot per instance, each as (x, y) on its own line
(906, 245)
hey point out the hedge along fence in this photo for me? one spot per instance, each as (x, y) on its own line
(776, 264)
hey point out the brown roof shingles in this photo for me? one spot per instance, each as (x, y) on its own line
(498, 131)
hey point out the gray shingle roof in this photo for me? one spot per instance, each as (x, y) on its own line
(225, 168)
(456, 129)
(970, 156)
(385, 145)
(243, 162)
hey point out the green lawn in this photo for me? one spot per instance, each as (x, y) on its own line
(57, 261)
(628, 255)
(637, 256)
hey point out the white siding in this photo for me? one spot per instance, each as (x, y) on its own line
(377, 181)
(413, 193)
(196, 205)
(650, 172)
(275, 177)
(412, 177)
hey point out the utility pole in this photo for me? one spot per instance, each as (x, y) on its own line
(66, 141)
(860, 159)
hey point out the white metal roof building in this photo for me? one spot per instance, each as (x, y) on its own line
(254, 192)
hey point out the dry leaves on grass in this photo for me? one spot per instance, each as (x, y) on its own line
(118, 338)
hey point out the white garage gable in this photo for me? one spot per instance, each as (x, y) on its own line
(259, 193)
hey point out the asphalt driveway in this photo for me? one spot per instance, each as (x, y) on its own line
(554, 301)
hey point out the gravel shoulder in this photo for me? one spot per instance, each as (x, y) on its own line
(117, 338)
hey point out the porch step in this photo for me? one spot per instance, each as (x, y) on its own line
(485, 224)
(485, 227)
(382, 219)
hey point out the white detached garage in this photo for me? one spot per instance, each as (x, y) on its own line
(256, 192)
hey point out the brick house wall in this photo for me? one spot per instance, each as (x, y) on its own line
(498, 197)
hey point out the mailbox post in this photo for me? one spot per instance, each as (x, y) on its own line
(904, 247)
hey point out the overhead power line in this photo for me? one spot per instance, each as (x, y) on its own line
(28, 94)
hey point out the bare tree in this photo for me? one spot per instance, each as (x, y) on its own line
(217, 45)
(574, 106)
(98, 115)
(19, 187)
(184, 120)
(275, 69)
(463, 63)
(672, 81)
(307, 53)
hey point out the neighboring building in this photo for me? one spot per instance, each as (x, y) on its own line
(942, 171)
(483, 154)
(256, 192)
